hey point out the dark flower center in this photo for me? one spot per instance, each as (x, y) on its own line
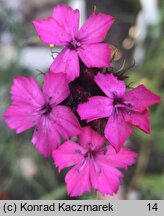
(46, 109)
(74, 44)
(90, 154)
(117, 101)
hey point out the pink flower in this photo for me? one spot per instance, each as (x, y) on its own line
(61, 29)
(125, 109)
(94, 164)
(33, 107)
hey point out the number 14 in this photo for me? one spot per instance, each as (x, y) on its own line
(152, 206)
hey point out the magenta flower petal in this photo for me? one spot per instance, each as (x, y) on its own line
(62, 29)
(141, 98)
(123, 159)
(139, 119)
(117, 131)
(95, 55)
(20, 116)
(90, 138)
(26, 90)
(50, 32)
(127, 109)
(77, 180)
(106, 180)
(96, 107)
(95, 28)
(67, 18)
(27, 97)
(67, 62)
(45, 137)
(65, 122)
(33, 107)
(55, 88)
(61, 122)
(68, 154)
(95, 164)
(110, 85)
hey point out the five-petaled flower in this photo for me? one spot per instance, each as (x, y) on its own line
(61, 29)
(33, 107)
(94, 164)
(125, 109)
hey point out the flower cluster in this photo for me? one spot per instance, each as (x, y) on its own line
(78, 99)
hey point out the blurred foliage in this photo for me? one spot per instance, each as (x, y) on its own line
(151, 74)
(152, 187)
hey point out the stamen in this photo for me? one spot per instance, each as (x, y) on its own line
(119, 103)
(90, 154)
(74, 44)
(46, 109)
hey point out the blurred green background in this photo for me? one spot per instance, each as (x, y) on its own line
(138, 33)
